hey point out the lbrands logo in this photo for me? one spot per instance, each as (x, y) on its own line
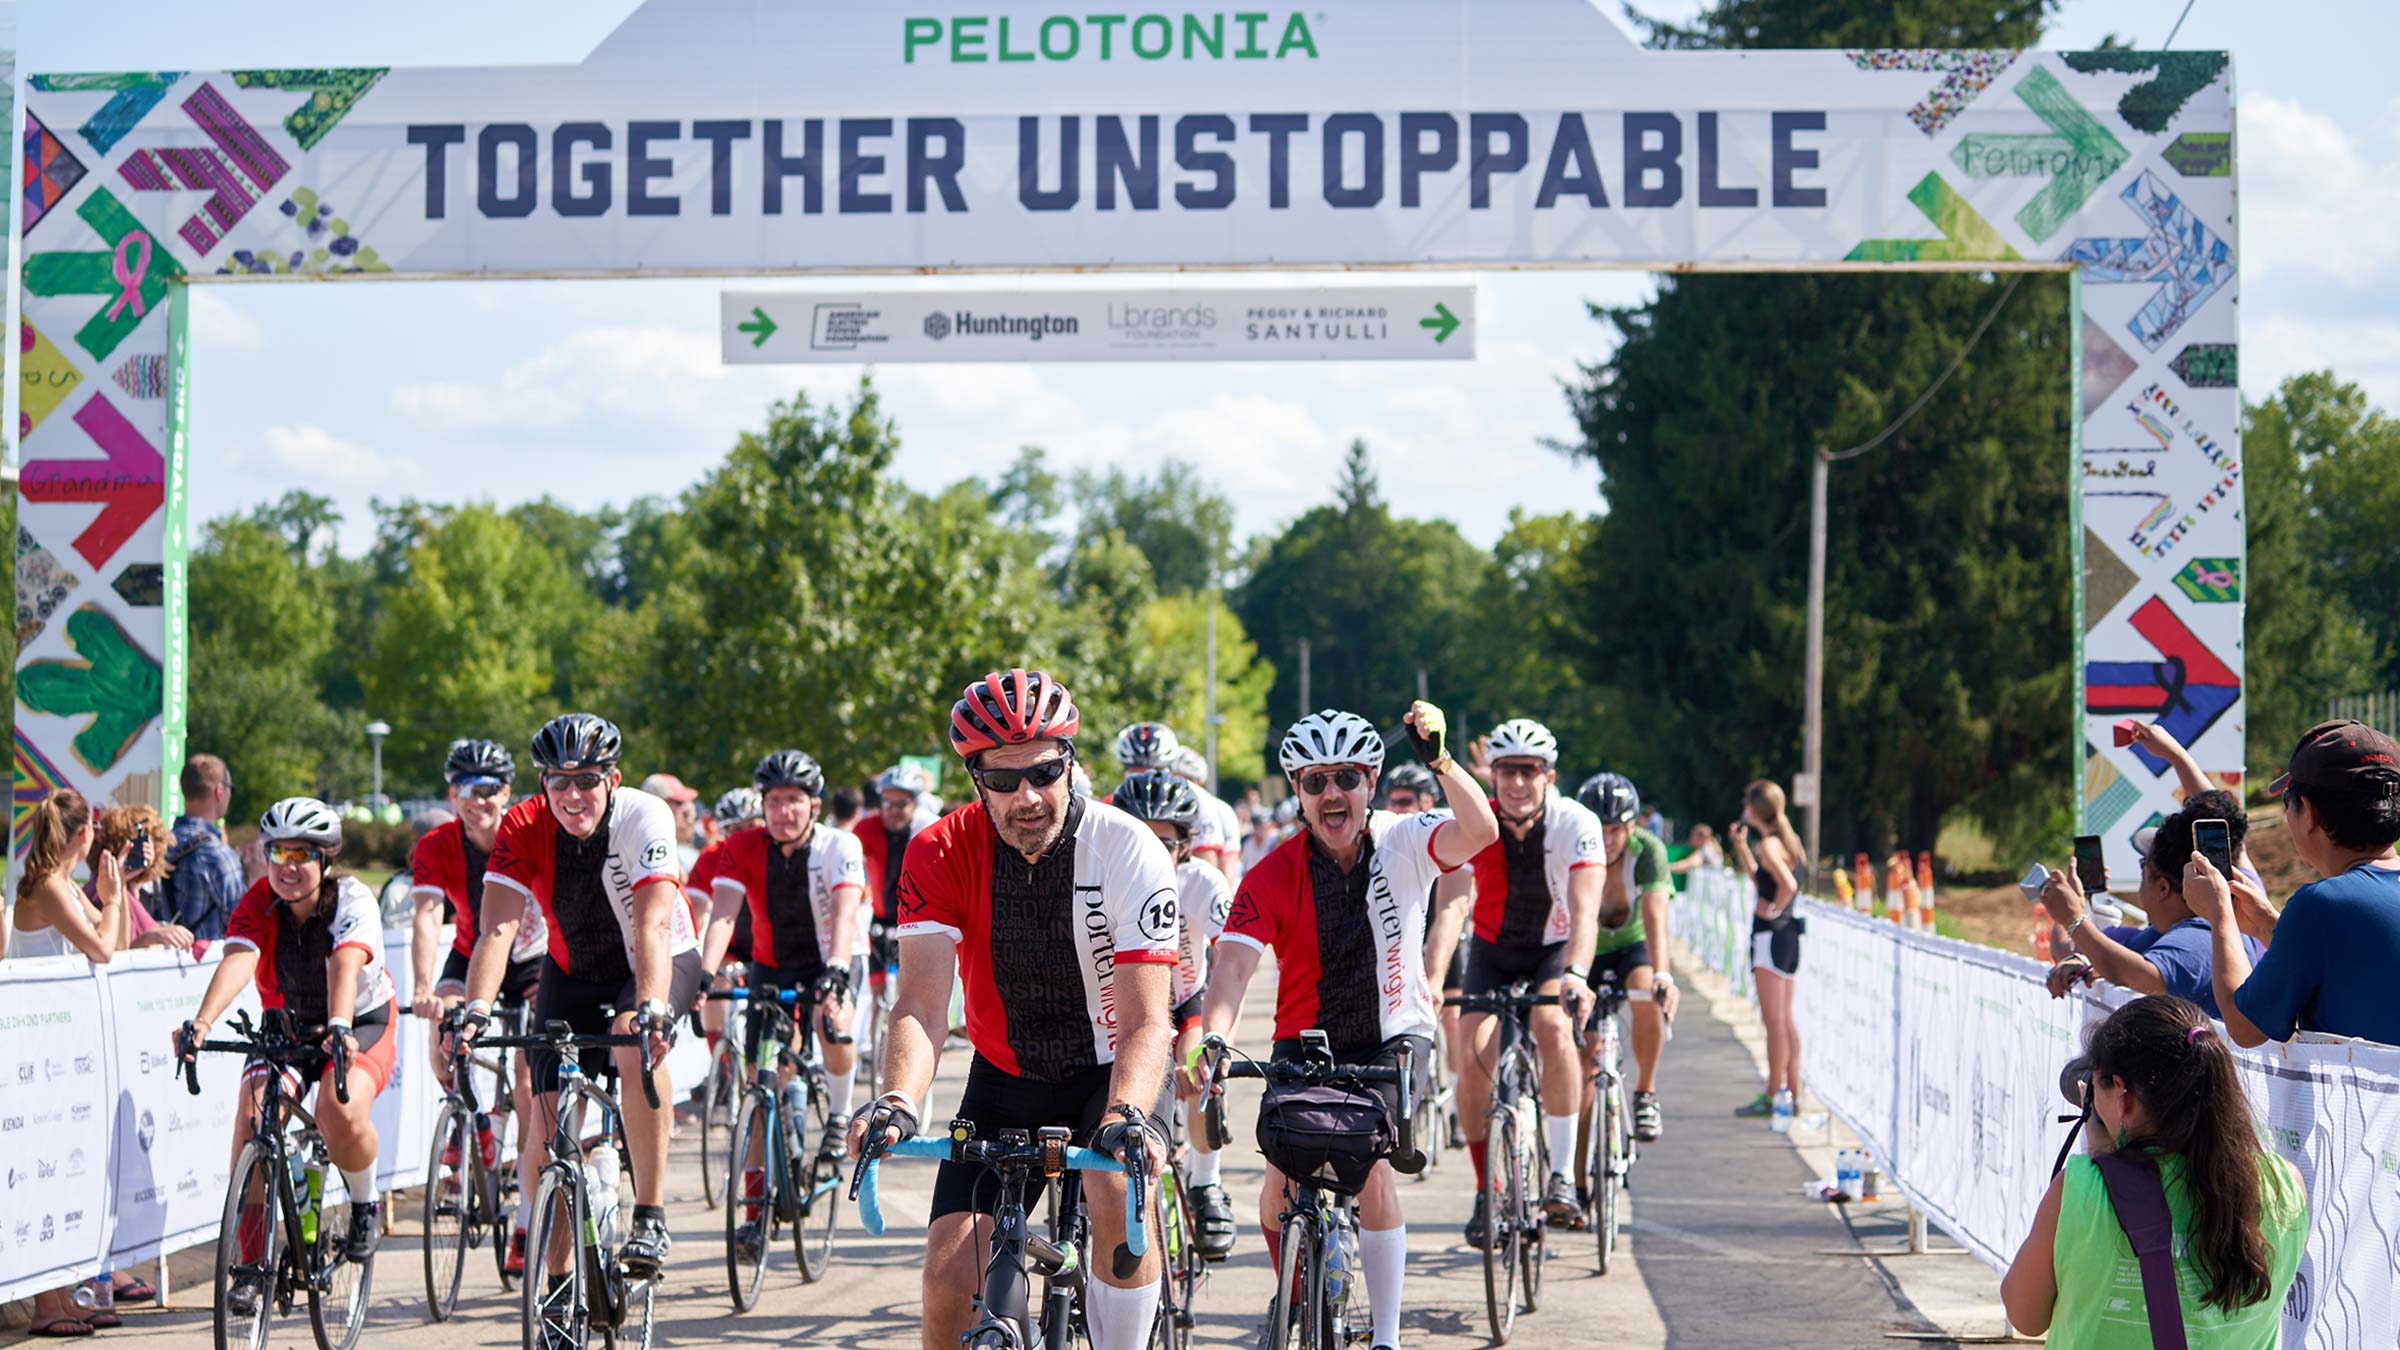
(1181, 35)
(1144, 320)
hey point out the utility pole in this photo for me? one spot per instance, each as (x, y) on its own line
(1809, 792)
(1213, 717)
(1305, 706)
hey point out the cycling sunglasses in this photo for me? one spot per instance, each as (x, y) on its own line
(483, 790)
(589, 780)
(1403, 801)
(1313, 782)
(1041, 775)
(291, 854)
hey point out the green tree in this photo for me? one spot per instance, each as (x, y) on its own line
(259, 631)
(1527, 608)
(1175, 628)
(1852, 23)
(1181, 524)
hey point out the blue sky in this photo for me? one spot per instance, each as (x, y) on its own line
(602, 391)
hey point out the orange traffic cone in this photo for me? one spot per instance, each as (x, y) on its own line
(1925, 888)
(2041, 936)
(1863, 873)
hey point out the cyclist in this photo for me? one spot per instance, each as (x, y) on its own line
(1537, 893)
(1407, 790)
(1146, 746)
(734, 812)
(900, 816)
(1633, 904)
(312, 937)
(1219, 836)
(447, 869)
(800, 880)
(598, 860)
(1169, 805)
(1339, 904)
(1021, 886)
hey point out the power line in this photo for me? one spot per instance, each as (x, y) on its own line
(2169, 44)
(1914, 408)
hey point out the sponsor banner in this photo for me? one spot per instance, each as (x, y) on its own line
(169, 1151)
(54, 1097)
(1346, 323)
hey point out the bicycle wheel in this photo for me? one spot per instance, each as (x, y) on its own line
(749, 1204)
(1503, 1198)
(452, 1194)
(1185, 1269)
(720, 1095)
(1606, 1168)
(253, 1217)
(814, 1178)
(337, 1299)
(1533, 1236)
(500, 1183)
(557, 1308)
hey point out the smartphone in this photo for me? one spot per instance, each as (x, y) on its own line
(2089, 869)
(2214, 841)
(138, 857)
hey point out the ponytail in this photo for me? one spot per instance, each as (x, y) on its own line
(1765, 801)
(56, 820)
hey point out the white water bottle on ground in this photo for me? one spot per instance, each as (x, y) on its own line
(1781, 1121)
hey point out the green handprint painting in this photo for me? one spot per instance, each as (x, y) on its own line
(116, 684)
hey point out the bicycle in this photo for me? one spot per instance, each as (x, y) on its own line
(1437, 1111)
(595, 1289)
(792, 1185)
(1313, 1292)
(295, 1245)
(1609, 1145)
(883, 963)
(1516, 1161)
(1179, 1242)
(721, 1087)
(469, 1194)
(1022, 1161)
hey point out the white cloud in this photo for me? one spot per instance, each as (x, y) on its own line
(316, 455)
(2364, 351)
(660, 375)
(2315, 203)
(219, 325)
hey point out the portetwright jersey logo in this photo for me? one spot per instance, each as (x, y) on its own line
(1187, 35)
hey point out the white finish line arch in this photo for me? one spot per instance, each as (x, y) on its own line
(728, 137)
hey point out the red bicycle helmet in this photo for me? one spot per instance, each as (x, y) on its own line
(1011, 707)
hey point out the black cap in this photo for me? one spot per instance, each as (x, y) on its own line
(2343, 757)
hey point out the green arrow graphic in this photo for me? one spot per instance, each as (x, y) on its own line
(1966, 236)
(1442, 322)
(763, 326)
(116, 684)
(2077, 158)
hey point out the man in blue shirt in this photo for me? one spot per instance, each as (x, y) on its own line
(2331, 952)
(206, 877)
(2172, 954)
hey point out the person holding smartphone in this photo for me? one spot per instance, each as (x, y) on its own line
(2172, 954)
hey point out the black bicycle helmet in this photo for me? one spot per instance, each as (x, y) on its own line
(1611, 797)
(479, 759)
(789, 768)
(577, 741)
(1159, 795)
(1412, 777)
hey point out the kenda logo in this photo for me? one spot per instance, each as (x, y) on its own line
(973, 39)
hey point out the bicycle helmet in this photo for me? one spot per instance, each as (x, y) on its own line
(738, 806)
(1414, 778)
(1159, 795)
(304, 820)
(479, 759)
(1523, 738)
(1189, 762)
(1331, 737)
(789, 768)
(1611, 797)
(1146, 745)
(1012, 707)
(578, 741)
(906, 778)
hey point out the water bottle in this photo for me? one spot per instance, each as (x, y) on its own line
(608, 1169)
(1870, 1178)
(1341, 1259)
(1846, 1172)
(485, 1144)
(313, 1202)
(103, 1291)
(1781, 1121)
(795, 1104)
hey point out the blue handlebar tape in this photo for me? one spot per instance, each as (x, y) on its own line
(870, 1211)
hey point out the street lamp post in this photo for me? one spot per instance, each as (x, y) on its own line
(376, 731)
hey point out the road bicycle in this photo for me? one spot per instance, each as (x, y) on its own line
(1436, 1113)
(1609, 1149)
(471, 1184)
(1027, 1161)
(279, 1241)
(1178, 1239)
(1516, 1160)
(777, 1178)
(1318, 1287)
(721, 1086)
(576, 1230)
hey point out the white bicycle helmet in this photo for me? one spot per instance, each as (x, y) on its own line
(1147, 745)
(302, 819)
(737, 806)
(1331, 737)
(906, 778)
(1189, 763)
(1523, 738)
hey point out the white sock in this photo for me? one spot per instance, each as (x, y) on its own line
(1559, 1133)
(1120, 1318)
(361, 1183)
(1203, 1164)
(1384, 1252)
(837, 1095)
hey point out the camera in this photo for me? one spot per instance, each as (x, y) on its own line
(2075, 1080)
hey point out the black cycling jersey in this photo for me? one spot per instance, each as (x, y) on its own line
(1527, 914)
(1347, 969)
(579, 900)
(790, 910)
(1035, 953)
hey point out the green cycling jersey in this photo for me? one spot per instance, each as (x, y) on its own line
(1640, 870)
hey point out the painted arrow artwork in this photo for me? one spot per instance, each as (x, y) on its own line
(2186, 690)
(131, 483)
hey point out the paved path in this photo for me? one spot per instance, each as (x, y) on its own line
(1722, 1250)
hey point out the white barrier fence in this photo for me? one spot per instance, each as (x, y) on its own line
(1943, 1056)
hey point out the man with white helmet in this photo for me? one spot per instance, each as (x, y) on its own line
(1342, 905)
(1537, 900)
(1217, 835)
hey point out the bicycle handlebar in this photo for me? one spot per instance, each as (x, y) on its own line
(566, 1040)
(271, 1050)
(1513, 1001)
(1405, 1156)
(997, 1156)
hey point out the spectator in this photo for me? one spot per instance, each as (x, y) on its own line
(1656, 821)
(115, 830)
(204, 875)
(684, 801)
(2172, 953)
(1701, 850)
(1262, 838)
(844, 806)
(52, 917)
(2163, 1090)
(2336, 941)
(1775, 869)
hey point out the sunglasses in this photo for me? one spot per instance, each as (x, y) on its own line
(484, 792)
(1404, 801)
(1313, 782)
(294, 855)
(1518, 769)
(588, 781)
(1041, 775)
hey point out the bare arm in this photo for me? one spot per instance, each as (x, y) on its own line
(845, 914)
(653, 926)
(1228, 980)
(2162, 743)
(501, 910)
(341, 988)
(1654, 927)
(1453, 902)
(2210, 898)
(234, 970)
(2030, 1289)
(1583, 917)
(1145, 997)
(920, 1014)
(93, 935)
(425, 929)
(1473, 828)
(1787, 889)
(725, 907)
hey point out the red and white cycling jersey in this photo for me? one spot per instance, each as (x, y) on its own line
(790, 897)
(447, 864)
(295, 960)
(1105, 893)
(1349, 946)
(1524, 904)
(585, 887)
(1205, 901)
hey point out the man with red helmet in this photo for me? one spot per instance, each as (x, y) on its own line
(1023, 884)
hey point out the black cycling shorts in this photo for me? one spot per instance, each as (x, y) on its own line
(997, 1100)
(1456, 976)
(560, 997)
(1493, 968)
(1421, 1078)
(1617, 967)
(514, 985)
(765, 980)
(1775, 944)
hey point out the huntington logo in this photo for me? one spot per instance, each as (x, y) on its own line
(937, 326)
(974, 39)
